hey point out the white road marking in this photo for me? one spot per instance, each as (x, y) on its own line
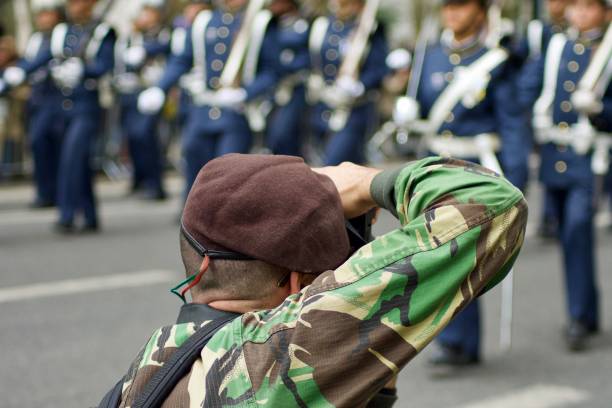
(535, 396)
(93, 284)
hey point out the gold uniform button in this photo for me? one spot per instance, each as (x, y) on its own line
(67, 104)
(449, 76)
(214, 113)
(330, 70)
(331, 54)
(214, 82)
(579, 49)
(454, 59)
(569, 86)
(217, 65)
(450, 118)
(223, 32)
(566, 106)
(560, 166)
(563, 125)
(573, 66)
(326, 115)
(227, 18)
(220, 48)
(447, 133)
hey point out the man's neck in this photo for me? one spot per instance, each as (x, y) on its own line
(236, 306)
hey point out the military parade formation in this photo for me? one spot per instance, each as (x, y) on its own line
(257, 75)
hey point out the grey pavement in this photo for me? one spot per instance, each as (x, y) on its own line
(75, 310)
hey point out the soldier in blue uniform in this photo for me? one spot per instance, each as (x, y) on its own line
(572, 115)
(344, 110)
(463, 97)
(217, 122)
(43, 107)
(81, 52)
(285, 129)
(535, 43)
(140, 58)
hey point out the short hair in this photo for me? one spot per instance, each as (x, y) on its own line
(244, 280)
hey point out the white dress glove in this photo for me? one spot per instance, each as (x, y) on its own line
(151, 101)
(134, 56)
(69, 73)
(14, 76)
(230, 97)
(586, 102)
(406, 111)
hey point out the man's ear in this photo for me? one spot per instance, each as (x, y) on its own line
(295, 282)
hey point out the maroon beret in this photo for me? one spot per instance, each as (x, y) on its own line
(270, 208)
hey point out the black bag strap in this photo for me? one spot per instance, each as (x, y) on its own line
(112, 399)
(173, 370)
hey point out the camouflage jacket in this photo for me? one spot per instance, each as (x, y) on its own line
(339, 340)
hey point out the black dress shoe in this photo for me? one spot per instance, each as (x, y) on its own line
(64, 228)
(90, 228)
(577, 335)
(153, 195)
(39, 204)
(447, 356)
(548, 229)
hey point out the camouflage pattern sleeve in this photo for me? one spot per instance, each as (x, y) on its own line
(338, 341)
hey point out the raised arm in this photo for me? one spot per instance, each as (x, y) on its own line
(343, 337)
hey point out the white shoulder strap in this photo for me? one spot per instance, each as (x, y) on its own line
(551, 71)
(315, 42)
(258, 32)
(177, 43)
(597, 66)
(198, 39)
(462, 84)
(535, 31)
(100, 33)
(58, 38)
(33, 46)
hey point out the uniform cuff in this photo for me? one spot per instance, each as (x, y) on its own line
(382, 189)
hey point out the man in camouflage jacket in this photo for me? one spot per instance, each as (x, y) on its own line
(339, 340)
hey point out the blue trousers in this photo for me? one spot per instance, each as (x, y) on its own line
(75, 189)
(286, 124)
(143, 142)
(575, 212)
(203, 142)
(464, 331)
(348, 143)
(45, 132)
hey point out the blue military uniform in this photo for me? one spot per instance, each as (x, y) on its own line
(285, 129)
(347, 144)
(44, 130)
(141, 130)
(566, 173)
(80, 114)
(486, 111)
(212, 131)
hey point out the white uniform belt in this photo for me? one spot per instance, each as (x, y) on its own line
(482, 146)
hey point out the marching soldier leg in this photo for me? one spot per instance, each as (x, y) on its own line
(348, 144)
(577, 237)
(284, 130)
(549, 226)
(236, 138)
(129, 126)
(146, 154)
(75, 177)
(45, 145)
(460, 341)
(198, 148)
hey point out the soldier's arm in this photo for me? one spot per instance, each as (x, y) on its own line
(42, 58)
(513, 128)
(267, 68)
(374, 68)
(343, 337)
(105, 58)
(529, 83)
(157, 47)
(603, 120)
(179, 63)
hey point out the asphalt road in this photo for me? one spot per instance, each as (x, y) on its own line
(75, 310)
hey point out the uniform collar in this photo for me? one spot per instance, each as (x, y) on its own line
(198, 313)
(586, 38)
(466, 47)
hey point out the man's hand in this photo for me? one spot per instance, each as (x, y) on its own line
(353, 183)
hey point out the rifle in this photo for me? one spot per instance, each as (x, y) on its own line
(352, 61)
